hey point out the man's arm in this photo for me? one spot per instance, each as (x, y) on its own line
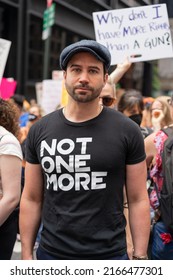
(128, 232)
(139, 208)
(30, 208)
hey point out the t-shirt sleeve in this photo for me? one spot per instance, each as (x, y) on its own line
(9, 145)
(135, 144)
(31, 145)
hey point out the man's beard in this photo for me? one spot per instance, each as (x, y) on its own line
(84, 97)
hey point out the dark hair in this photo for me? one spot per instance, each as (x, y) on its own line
(18, 99)
(129, 99)
(9, 116)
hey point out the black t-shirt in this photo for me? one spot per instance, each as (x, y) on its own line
(84, 167)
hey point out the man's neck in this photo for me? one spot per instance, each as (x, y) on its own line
(82, 112)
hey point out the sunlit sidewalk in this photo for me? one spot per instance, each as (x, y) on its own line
(17, 251)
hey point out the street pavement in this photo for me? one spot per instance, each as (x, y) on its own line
(17, 251)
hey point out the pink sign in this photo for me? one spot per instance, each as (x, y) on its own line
(49, 3)
(7, 88)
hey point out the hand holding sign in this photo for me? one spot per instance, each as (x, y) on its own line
(141, 33)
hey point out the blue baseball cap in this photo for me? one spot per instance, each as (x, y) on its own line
(91, 46)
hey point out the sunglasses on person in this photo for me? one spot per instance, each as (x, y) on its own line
(32, 117)
(107, 101)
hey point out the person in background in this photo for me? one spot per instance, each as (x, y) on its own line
(162, 117)
(146, 114)
(19, 100)
(33, 102)
(116, 75)
(119, 71)
(34, 114)
(131, 105)
(10, 177)
(160, 113)
(77, 161)
(108, 93)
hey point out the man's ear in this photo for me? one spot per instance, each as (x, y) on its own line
(106, 78)
(64, 74)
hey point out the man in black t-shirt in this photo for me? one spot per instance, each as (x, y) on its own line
(77, 161)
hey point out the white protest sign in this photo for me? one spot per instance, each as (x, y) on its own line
(39, 92)
(51, 95)
(140, 33)
(57, 75)
(4, 51)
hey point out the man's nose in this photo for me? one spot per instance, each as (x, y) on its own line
(84, 77)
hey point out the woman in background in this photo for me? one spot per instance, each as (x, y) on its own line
(162, 117)
(108, 96)
(10, 177)
(131, 105)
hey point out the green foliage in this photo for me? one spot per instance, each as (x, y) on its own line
(155, 79)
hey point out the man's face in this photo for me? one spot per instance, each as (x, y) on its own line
(84, 77)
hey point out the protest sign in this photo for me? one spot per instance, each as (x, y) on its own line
(51, 95)
(140, 33)
(39, 92)
(58, 75)
(7, 87)
(4, 50)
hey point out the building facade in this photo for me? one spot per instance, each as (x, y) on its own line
(21, 22)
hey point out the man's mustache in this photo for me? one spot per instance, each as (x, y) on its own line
(83, 87)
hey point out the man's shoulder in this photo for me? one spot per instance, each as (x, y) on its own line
(114, 113)
(125, 125)
(47, 118)
(50, 116)
(44, 123)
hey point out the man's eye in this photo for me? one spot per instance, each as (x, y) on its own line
(93, 71)
(77, 70)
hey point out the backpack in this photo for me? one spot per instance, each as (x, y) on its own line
(166, 194)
